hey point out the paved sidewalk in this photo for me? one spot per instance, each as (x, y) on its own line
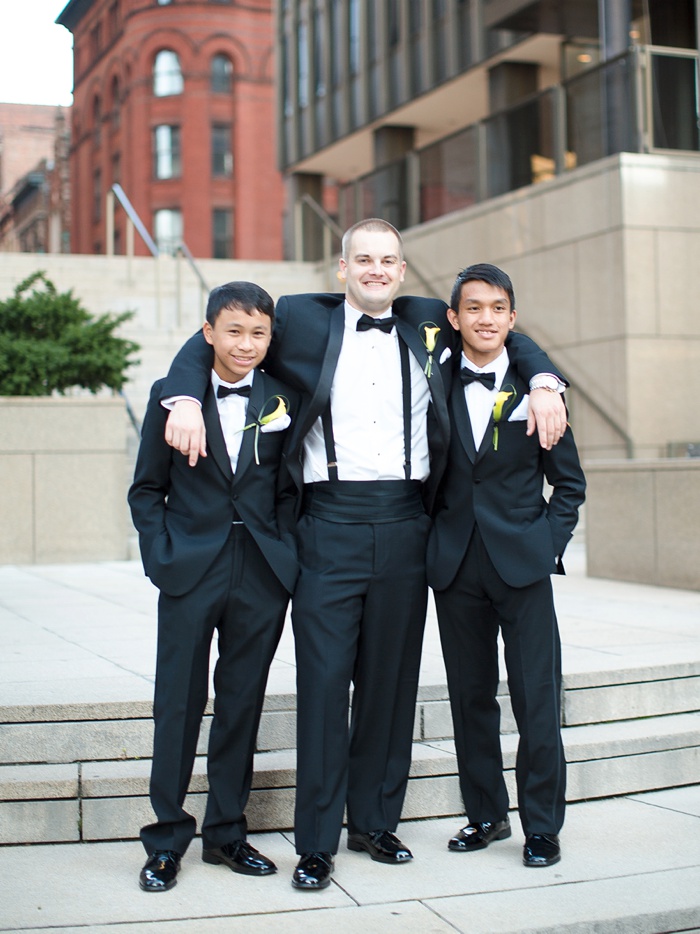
(630, 866)
(85, 634)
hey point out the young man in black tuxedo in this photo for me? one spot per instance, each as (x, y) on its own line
(494, 544)
(367, 451)
(217, 540)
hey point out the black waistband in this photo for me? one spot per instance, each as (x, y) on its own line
(363, 500)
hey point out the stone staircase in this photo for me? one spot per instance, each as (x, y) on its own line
(80, 772)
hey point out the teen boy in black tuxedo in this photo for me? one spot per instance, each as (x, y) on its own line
(494, 543)
(217, 540)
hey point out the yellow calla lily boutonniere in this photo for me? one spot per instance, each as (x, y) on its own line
(276, 420)
(429, 332)
(505, 399)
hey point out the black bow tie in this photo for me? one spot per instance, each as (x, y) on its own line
(469, 376)
(384, 324)
(224, 391)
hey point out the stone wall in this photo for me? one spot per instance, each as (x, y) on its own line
(643, 521)
(63, 477)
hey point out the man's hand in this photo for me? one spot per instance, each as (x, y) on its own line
(547, 413)
(185, 430)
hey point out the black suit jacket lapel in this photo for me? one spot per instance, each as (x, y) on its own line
(487, 441)
(322, 393)
(255, 404)
(461, 417)
(413, 340)
(215, 436)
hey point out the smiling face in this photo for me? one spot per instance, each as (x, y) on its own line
(484, 318)
(373, 270)
(240, 341)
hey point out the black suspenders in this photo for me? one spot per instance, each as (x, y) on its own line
(327, 421)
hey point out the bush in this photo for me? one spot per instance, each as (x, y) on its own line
(49, 343)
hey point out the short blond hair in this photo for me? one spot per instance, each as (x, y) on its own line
(373, 225)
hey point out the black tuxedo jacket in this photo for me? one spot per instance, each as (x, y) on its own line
(183, 514)
(304, 352)
(501, 492)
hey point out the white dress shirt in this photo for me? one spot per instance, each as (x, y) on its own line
(232, 414)
(367, 411)
(480, 399)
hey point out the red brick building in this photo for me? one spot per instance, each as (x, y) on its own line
(34, 183)
(175, 101)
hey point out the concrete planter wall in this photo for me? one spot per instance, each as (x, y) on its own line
(643, 521)
(63, 473)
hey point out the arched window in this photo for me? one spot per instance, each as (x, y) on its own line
(167, 76)
(221, 74)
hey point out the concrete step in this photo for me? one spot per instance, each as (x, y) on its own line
(108, 800)
(96, 732)
(80, 771)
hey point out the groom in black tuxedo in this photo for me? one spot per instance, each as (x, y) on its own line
(217, 540)
(494, 544)
(367, 452)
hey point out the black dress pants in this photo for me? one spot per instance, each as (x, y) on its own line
(469, 614)
(358, 614)
(243, 601)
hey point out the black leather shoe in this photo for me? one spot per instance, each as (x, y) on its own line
(478, 836)
(241, 857)
(541, 849)
(159, 873)
(381, 845)
(313, 871)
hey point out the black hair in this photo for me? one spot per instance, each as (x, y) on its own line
(246, 296)
(482, 272)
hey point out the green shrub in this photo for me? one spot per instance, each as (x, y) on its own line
(48, 343)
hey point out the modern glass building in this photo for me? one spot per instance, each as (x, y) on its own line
(411, 109)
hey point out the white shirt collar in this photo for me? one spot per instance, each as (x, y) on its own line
(499, 366)
(216, 381)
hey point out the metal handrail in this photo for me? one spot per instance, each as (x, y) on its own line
(133, 216)
(185, 250)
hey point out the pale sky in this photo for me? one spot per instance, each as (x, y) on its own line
(36, 56)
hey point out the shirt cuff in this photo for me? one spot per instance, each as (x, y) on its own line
(171, 400)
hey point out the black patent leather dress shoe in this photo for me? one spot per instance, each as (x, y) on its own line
(313, 871)
(381, 845)
(478, 836)
(241, 857)
(159, 873)
(541, 849)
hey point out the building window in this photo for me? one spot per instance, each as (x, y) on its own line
(167, 76)
(166, 152)
(113, 19)
(96, 39)
(97, 195)
(116, 168)
(221, 74)
(221, 155)
(222, 233)
(97, 120)
(115, 103)
(168, 229)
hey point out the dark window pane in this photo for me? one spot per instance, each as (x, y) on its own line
(222, 233)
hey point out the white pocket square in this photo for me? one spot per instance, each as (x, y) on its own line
(445, 355)
(519, 413)
(277, 424)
